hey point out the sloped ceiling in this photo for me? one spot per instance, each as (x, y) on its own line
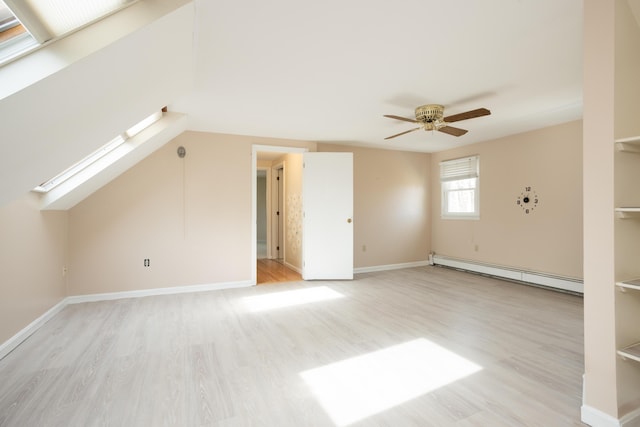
(78, 93)
(327, 71)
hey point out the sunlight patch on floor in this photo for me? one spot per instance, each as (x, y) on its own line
(290, 298)
(356, 388)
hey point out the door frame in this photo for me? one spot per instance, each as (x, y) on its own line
(255, 148)
(276, 244)
(267, 208)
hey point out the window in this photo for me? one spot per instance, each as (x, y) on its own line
(97, 155)
(14, 38)
(26, 24)
(459, 180)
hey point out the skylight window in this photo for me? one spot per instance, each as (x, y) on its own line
(25, 24)
(62, 16)
(98, 154)
(14, 38)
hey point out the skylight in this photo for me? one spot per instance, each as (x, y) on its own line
(98, 154)
(14, 38)
(59, 17)
(25, 24)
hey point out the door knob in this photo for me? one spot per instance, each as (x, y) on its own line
(349, 220)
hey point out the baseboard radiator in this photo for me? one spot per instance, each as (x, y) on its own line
(567, 284)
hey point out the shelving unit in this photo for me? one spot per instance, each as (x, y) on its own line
(628, 212)
(632, 352)
(628, 145)
(629, 284)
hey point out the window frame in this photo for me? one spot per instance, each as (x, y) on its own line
(456, 170)
(100, 153)
(41, 27)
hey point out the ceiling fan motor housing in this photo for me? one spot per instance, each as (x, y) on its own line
(431, 115)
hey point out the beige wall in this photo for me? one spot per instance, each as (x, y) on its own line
(391, 215)
(599, 275)
(191, 217)
(33, 252)
(293, 210)
(549, 239)
(261, 208)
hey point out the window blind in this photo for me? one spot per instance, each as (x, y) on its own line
(467, 167)
(47, 19)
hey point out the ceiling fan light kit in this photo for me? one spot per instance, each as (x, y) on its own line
(431, 117)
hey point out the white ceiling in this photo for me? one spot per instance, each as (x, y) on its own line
(327, 71)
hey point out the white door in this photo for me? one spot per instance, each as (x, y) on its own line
(327, 200)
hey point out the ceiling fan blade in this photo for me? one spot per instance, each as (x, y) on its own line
(402, 133)
(467, 115)
(453, 131)
(401, 118)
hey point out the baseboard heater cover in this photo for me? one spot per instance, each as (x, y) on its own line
(531, 277)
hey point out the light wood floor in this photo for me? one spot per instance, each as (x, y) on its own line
(210, 359)
(272, 271)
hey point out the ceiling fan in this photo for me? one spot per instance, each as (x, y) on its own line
(431, 117)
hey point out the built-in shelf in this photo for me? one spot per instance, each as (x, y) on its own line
(632, 352)
(628, 212)
(630, 145)
(629, 284)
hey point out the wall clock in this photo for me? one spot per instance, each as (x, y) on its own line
(527, 200)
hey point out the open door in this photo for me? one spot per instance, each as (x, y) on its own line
(327, 199)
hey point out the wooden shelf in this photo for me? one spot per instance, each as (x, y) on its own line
(629, 284)
(632, 352)
(628, 212)
(630, 145)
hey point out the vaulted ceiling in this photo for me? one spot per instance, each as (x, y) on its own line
(328, 71)
(317, 71)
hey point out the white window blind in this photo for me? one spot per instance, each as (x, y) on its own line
(451, 170)
(49, 19)
(460, 191)
(62, 16)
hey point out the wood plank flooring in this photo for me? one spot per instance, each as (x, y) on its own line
(218, 359)
(272, 271)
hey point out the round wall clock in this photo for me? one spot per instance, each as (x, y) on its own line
(527, 200)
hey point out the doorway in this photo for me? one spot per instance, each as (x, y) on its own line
(269, 209)
(316, 217)
(261, 213)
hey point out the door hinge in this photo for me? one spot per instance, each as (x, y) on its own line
(277, 248)
(277, 212)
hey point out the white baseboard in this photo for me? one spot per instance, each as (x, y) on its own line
(17, 339)
(542, 279)
(631, 419)
(390, 267)
(596, 418)
(293, 267)
(8, 346)
(156, 291)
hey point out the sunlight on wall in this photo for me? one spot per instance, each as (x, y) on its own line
(290, 298)
(362, 386)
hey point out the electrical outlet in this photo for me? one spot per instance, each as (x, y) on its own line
(147, 262)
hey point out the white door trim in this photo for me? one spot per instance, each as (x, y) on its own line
(255, 148)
